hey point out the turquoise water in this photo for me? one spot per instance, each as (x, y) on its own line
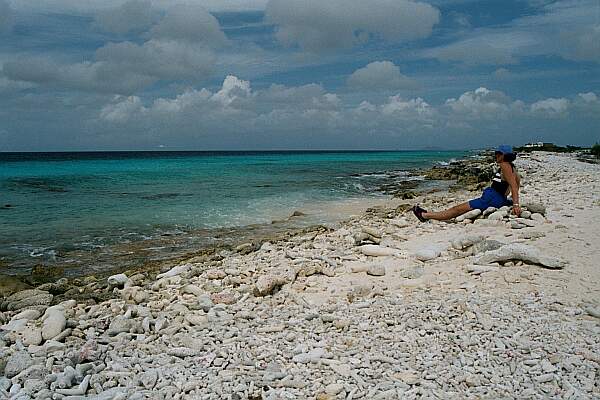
(79, 210)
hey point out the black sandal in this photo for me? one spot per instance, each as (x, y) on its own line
(418, 211)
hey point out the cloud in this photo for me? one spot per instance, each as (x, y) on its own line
(159, 59)
(6, 16)
(568, 29)
(319, 26)
(133, 15)
(281, 114)
(190, 23)
(180, 47)
(486, 48)
(86, 76)
(589, 97)
(93, 6)
(550, 106)
(380, 75)
(483, 103)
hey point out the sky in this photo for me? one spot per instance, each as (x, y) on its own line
(297, 74)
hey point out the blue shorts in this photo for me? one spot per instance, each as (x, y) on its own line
(490, 198)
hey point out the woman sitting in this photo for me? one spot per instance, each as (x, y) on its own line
(504, 182)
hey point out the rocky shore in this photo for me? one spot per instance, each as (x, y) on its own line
(381, 307)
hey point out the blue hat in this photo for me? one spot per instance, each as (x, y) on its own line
(504, 149)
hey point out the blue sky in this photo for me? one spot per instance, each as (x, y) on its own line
(297, 74)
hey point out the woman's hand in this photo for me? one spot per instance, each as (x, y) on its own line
(517, 210)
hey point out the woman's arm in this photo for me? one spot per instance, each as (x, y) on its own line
(513, 183)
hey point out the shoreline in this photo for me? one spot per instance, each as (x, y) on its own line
(379, 307)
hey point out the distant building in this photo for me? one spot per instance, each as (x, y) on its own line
(536, 145)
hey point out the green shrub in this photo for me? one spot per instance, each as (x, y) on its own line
(596, 150)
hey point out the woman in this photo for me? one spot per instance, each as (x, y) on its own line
(506, 180)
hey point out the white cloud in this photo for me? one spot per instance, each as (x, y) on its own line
(180, 47)
(133, 15)
(93, 6)
(589, 97)
(159, 59)
(122, 109)
(485, 48)
(551, 106)
(6, 16)
(191, 23)
(380, 75)
(567, 28)
(86, 76)
(413, 108)
(483, 103)
(319, 26)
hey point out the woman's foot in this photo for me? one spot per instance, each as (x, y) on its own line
(418, 211)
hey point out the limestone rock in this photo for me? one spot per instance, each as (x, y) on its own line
(469, 215)
(119, 325)
(519, 252)
(32, 336)
(378, 251)
(538, 217)
(376, 270)
(464, 241)
(27, 298)
(54, 322)
(535, 207)
(118, 280)
(17, 362)
(497, 215)
(267, 284)
(177, 270)
(428, 252)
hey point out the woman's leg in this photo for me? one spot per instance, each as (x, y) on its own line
(449, 213)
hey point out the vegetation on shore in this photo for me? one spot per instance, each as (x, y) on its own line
(595, 150)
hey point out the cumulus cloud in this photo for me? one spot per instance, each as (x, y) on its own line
(6, 16)
(289, 113)
(180, 47)
(86, 76)
(319, 26)
(551, 106)
(191, 23)
(483, 103)
(589, 97)
(133, 15)
(380, 75)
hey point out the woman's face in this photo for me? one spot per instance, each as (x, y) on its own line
(499, 157)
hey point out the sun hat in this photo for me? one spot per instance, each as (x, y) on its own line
(504, 149)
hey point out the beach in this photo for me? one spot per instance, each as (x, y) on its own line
(377, 306)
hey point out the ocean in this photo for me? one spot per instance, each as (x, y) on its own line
(94, 211)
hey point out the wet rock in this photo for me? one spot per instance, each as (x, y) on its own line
(45, 274)
(10, 284)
